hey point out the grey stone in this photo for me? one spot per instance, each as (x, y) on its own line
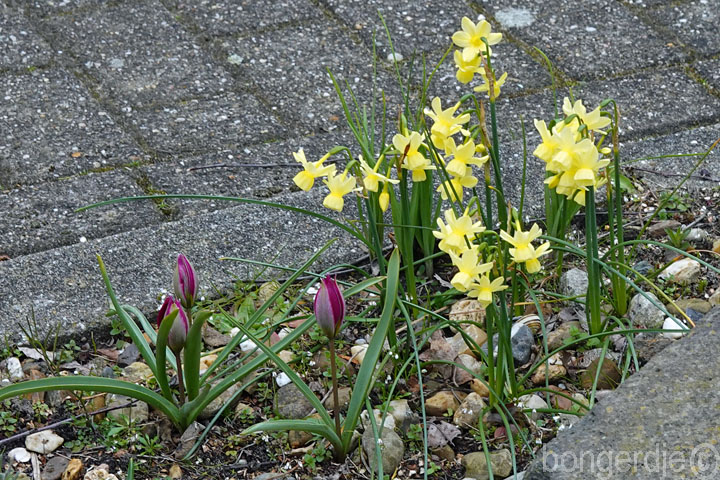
(647, 345)
(644, 312)
(675, 390)
(610, 34)
(42, 217)
(574, 283)
(392, 450)
(129, 355)
(221, 401)
(476, 466)
(54, 468)
(52, 128)
(291, 403)
(137, 412)
(683, 271)
(468, 413)
(403, 415)
(521, 341)
(188, 439)
(221, 18)
(46, 441)
(138, 54)
(15, 370)
(695, 23)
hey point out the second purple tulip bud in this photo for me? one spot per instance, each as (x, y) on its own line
(184, 282)
(179, 330)
(329, 307)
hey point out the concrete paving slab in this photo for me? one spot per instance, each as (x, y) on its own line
(138, 54)
(599, 40)
(20, 46)
(262, 171)
(65, 285)
(709, 70)
(290, 66)
(208, 124)
(695, 23)
(640, 158)
(659, 424)
(52, 127)
(48, 7)
(216, 17)
(41, 217)
(420, 27)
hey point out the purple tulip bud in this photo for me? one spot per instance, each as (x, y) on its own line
(329, 307)
(179, 330)
(184, 282)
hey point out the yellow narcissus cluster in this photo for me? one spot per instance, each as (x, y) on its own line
(475, 39)
(456, 237)
(569, 152)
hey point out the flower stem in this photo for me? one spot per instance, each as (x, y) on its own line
(593, 292)
(336, 401)
(181, 384)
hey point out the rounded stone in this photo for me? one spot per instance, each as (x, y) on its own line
(43, 442)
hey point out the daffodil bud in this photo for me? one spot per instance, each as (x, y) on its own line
(179, 330)
(329, 307)
(184, 282)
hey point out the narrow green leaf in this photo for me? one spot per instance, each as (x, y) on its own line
(132, 329)
(95, 384)
(311, 425)
(191, 355)
(161, 354)
(364, 378)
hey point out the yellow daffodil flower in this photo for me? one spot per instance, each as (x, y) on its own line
(413, 159)
(339, 185)
(463, 156)
(468, 268)
(593, 120)
(484, 288)
(312, 170)
(523, 251)
(373, 179)
(454, 235)
(470, 38)
(466, 70)
(453, 188)
(485, 87)
(444, 122)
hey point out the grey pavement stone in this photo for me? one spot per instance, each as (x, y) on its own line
(64, 285)
(138, 53)
(598, 40)
(200, 125)
(51, 127)
(216, 17)
(268, 173)
(41, 217)
(20, 46)
(709, 70)
(290, 67)
(654, 426)
(696, 23)
(422, 26)
(661, 173)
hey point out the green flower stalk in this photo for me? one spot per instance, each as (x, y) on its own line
(329, 307)
(177, 336)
